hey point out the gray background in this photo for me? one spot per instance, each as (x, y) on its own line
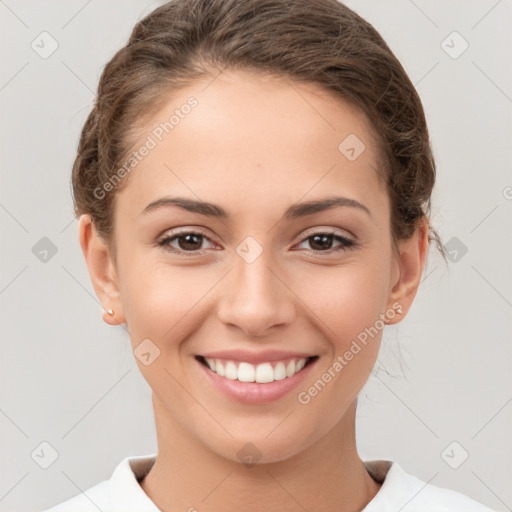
(70, 380)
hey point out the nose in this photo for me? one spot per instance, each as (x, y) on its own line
(255, 297)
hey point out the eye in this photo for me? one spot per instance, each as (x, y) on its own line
(189, 243)
(322, 241)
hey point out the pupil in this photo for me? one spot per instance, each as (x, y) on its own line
(325, 241)
(190, 245)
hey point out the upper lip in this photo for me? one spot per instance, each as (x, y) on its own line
(256, 357)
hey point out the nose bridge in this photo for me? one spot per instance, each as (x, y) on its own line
(254, 297)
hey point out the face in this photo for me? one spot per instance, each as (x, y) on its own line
(248, 273)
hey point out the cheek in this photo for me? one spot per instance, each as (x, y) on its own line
(158, 298)
(348, 320)
(344, 305)
(345, 300)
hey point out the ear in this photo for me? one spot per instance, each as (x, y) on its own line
(101, 271)
(411, 262)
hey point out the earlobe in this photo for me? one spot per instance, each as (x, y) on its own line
(411, 262)
(101, 271)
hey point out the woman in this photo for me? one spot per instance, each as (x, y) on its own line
(253, 186)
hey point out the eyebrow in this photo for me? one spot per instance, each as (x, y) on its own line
(293, 212)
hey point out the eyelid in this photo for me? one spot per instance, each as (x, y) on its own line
(185, 231)
(327, 230)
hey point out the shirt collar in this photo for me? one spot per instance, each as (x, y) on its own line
(127, 494)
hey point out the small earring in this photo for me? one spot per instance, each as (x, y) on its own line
(110, 312)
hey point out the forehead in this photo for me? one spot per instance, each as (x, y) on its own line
(239, 135)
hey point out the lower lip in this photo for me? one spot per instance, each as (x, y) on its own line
(254, 392)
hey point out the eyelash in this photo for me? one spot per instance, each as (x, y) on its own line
(346, 243)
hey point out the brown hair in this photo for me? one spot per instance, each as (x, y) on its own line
(314, 41)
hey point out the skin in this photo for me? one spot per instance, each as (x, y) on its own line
(254, 145)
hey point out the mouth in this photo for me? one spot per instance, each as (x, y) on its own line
(262, 373)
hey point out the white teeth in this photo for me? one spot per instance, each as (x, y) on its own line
(246, 372)
(219, 367)
(262, 373)
(231, 372)
(279, 371)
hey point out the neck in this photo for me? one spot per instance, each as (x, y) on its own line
(326, 476)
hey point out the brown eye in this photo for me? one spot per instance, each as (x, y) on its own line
(188, 243)
(323, 242)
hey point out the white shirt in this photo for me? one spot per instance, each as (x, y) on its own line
(400, 491)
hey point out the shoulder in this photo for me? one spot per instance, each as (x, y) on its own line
(403, 491)
(120, 493)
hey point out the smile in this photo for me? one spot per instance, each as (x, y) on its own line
(261, 373)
